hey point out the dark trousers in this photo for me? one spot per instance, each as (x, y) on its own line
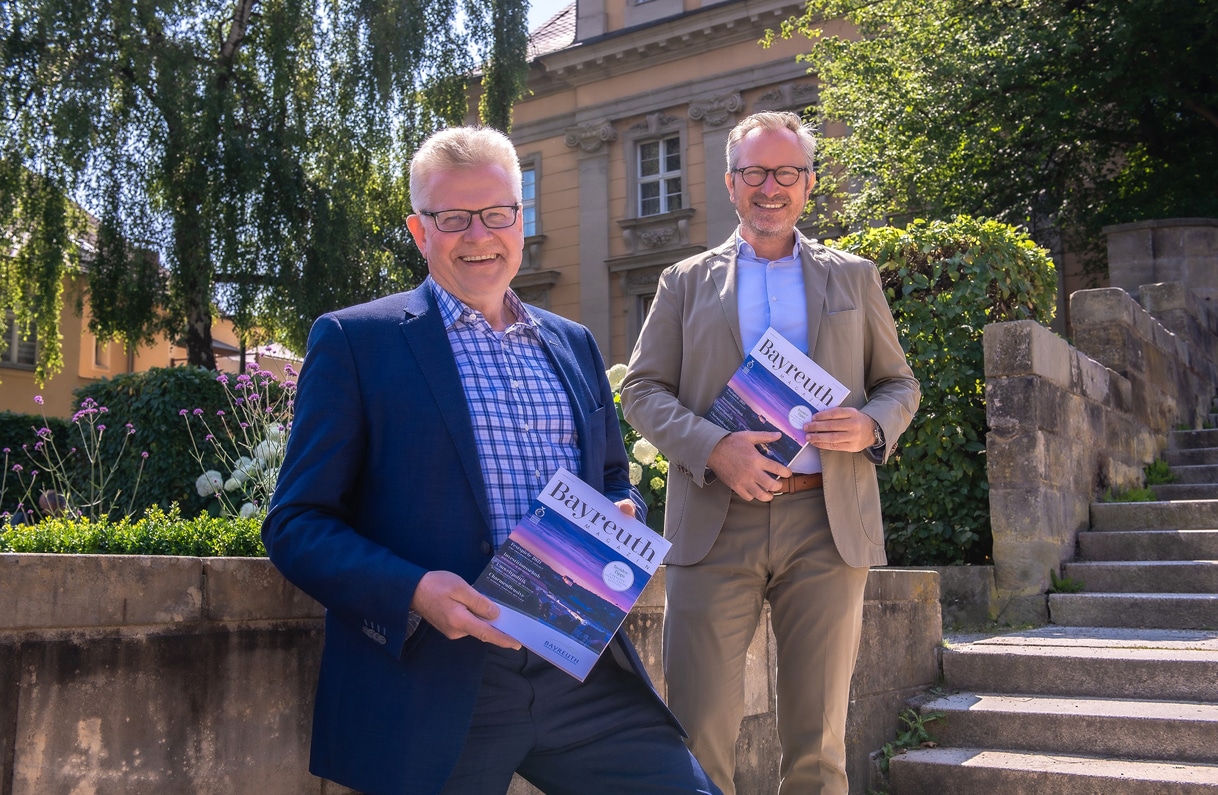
(605, 736)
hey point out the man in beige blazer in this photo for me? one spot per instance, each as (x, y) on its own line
(745, 528)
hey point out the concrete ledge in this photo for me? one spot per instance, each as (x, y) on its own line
(137, 674)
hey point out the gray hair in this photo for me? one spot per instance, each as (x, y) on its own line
(773, 120)
(460, 147)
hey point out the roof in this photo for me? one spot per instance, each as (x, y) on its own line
(556, 33)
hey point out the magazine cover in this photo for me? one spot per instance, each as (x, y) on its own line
(778, 388)
(569, 573)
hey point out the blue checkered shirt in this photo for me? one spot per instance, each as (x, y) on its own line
(523, 423)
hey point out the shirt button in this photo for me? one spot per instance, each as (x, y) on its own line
(485, 546)
(524, 427)
(515, 384)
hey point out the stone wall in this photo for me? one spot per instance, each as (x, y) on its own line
(1069, 423)
(166, 675)
(1183, 250)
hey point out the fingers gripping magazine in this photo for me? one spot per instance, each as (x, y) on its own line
(778, 388)
(569, 572)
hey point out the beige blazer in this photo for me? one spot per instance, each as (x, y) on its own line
(688, 349)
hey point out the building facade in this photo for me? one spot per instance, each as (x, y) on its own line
(621, 137)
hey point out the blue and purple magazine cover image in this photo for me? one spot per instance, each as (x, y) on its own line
(563, 590)
(757, 400)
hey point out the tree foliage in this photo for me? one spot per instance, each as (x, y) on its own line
(1052, 114)
(946, 280)
(247, 156)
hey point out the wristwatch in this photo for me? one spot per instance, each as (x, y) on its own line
(878, 433)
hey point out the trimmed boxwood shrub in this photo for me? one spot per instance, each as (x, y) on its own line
(157, 533)
(945, 280)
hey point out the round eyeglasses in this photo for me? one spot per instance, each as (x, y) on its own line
(755, 176)
(497, 217)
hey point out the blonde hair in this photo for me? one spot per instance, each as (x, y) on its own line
(773, 120)
(460, 147)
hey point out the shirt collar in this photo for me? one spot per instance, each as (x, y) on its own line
(744, 250)
(454, 311)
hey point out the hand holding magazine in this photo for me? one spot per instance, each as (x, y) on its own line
(778, 388)
(569, 572)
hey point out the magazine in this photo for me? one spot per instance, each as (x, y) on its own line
(778, 388)
(569, 572)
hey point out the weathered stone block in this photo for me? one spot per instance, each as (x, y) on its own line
(247, 589)
(1015, 460)
(86, 591)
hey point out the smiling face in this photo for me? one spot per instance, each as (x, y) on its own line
(478, 264)
(769, 211)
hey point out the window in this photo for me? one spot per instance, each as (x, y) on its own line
(18, 351)
(660, 176)
(528, 182)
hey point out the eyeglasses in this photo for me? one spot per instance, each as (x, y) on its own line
(498, 217)
(755, 176)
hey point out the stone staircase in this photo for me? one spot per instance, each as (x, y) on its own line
(1120, 695)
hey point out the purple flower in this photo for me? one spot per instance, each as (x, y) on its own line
(241, 379)
(222, 378)
(38, 399)
(144, 454)
(103, 409)
(101, 428)
(7, 450)
(209, 438)
(255, 396)
(44, 433)
(183, 413)
(244, 425)
(17, 467)
(34, 473)
(38, 445)
(197, 412)
(240, 401)
(219, 412)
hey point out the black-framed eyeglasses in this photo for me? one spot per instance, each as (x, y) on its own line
(755, 176)
(501, 216)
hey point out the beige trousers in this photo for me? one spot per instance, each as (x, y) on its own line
(782, 552)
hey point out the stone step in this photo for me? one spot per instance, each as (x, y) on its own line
(1193, 440)
(1182, 731)
(969, 771)
(1088, 662)
(1149, 545)
(1199, 473)
(1181, 514)
(1175, 458)
(1137, 576)
(1170, 492)
(1151, 610)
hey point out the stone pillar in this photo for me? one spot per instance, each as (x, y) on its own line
(1181, 250)
(718, 114)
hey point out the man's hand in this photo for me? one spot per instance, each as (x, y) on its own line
(738, 463)
(627, 507)
(451, 605)
(841, 428)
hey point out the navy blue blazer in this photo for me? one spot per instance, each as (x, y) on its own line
(381, 484)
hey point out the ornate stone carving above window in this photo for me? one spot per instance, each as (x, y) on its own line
(788, 96)
(717, 110)
(656, 232)
(590, 138)
(653, 124)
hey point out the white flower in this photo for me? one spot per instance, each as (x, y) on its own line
(644, 452)
(636, 474)
(248, 510)
(616, 374)
(274, 432)
(232, 484)
(268, 451)
(209, 483)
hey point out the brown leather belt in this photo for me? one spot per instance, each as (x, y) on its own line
(799, 483)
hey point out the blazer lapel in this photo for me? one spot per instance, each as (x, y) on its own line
(424, 331)
(722, 268)
(816, 280)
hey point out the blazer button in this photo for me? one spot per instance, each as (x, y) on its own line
(485, 546)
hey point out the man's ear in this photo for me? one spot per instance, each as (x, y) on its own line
(418, 231)
(731, 190)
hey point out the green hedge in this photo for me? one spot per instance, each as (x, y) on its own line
(157, 533)
(945, 281)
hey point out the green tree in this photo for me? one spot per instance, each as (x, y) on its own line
(1058, 115)
(247, 156)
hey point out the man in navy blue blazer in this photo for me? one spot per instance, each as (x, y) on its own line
(425, 423)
